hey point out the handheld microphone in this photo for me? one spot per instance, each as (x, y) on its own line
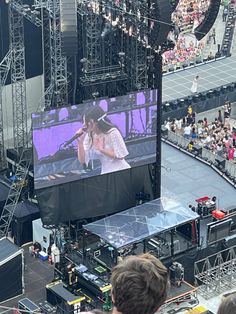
(74, 138)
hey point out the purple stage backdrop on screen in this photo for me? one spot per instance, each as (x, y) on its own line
(96, 137)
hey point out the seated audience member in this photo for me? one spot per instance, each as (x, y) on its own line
(139, 285)
(36, 249)
(228, 305)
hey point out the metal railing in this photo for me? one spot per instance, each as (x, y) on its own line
(223, 166)
(216, 273)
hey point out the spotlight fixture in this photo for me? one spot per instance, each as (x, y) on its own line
(182, 102)
(107, 29)
(95, 95)
(210, 93)
(84, 63)
(202, 96)
(167, 45)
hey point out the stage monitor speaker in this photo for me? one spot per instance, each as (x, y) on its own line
(161, 11)
(204, 27)
(69, 33)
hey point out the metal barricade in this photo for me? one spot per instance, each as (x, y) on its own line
(183, 142)
(230, 169)
(172, 137)
(179, 140)
(208, 156)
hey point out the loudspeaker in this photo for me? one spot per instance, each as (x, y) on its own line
(210, 17)
(69, 33)
(161, 11)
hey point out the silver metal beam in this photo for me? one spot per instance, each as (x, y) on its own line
(18, 79)
(4, 70)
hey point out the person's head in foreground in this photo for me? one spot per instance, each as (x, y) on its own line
(228, 305)
(139, 285)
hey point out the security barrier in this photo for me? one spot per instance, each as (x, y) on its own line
(223, 166)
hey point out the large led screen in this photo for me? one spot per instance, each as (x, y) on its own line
(94, 138)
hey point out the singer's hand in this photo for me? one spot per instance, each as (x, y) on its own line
(99, 143)
(80, 131)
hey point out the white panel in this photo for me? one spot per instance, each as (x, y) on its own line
(34, 91)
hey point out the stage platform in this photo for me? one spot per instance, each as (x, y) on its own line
(212, 74)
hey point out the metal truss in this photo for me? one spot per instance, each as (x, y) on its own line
(56, 91)
(55, 64)
(139, 67)
(24, 10)
(92, 47)
(216, 273)
(15, 192)
(47, 58)
(99, 55)
(4, 70)
(58, 61)
(91, 23)
(16, 59)
(18, 79)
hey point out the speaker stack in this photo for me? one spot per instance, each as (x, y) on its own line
(161, 11)
(69, 32)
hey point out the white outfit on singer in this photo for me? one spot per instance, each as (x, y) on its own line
(112, 141)
(194, 86)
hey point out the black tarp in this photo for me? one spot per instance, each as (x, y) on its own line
(95, 196)
(21, 226)
(11, 281)
(3, 195)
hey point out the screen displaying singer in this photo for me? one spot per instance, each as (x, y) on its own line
(94, 138)
(100, 139)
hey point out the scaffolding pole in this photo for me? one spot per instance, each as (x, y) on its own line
(18, 78)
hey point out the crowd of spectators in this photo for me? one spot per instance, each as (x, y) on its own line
(218, 136)
(190, 13)
(187, 16)
(184, 53)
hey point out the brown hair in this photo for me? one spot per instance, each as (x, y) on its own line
(228, 305)
(139, 284)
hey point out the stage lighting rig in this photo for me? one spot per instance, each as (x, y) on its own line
(84, 63)
(95, 95)
(25, 10)
(121, 55)
(107, 29)
(167, 45)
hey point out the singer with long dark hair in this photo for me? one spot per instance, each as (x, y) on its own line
(100, 139)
